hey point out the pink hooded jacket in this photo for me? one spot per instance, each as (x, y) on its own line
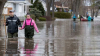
(32, 23)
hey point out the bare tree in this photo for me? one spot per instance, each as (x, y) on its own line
(64, 2)
(73, 4)
(53, 9)
(97, 8)
(48, 3)
(80, 7)
(75, 7)
(2, 3)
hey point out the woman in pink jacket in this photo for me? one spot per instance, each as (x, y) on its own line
(29, 25)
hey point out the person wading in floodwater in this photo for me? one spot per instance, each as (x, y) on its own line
(74, 18)
(12, 22)
(29, 25)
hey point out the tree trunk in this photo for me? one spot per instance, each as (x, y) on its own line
(2, 3)
(76, 5)
(97, 13)
(48, 3)
(92, 13)
(53, 9)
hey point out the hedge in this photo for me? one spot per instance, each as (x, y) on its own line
(32, 16)
(42, 19)
(62, 15)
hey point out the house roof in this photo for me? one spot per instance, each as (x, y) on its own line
(26, 2)
(16, 1)
(58, 3)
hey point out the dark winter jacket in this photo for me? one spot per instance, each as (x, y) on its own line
(13, 23)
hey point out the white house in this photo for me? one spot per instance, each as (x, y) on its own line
(19, 6)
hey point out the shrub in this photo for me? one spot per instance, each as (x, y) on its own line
(37, 4)
(62, 15)
(25, 16)
(42, 19)
(36, 12)
(40, 8)
(32, 16)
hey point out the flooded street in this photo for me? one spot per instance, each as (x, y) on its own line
(56, 38)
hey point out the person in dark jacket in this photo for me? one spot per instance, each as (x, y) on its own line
(81, 17)
(87, 16)
(12, 22)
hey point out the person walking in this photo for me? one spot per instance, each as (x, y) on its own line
(89, 18)
(74, 18)
(81, 17)
(12, 22)
(87, 15)
(29, 25)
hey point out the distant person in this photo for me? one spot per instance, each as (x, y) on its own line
(74, 18)
(87, 15)
(29, 25)
(89, 18)
(12, 22)
(81, 17)
(92, 18)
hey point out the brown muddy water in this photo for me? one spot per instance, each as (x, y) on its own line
(56, 38)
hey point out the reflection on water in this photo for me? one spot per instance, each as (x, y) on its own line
(12, 46)
(74, 25)
(59, 38)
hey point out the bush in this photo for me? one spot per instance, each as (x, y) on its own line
(40, 7)
(25, 16)
(62, 15)
(32, 16)
(42, 19)
(37, 4)
(35, 12)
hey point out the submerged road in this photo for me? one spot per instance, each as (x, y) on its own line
(56, 38)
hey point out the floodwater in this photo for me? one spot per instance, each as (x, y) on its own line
(56, 38)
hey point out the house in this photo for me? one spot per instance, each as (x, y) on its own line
(19, 6)
(60, 7)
